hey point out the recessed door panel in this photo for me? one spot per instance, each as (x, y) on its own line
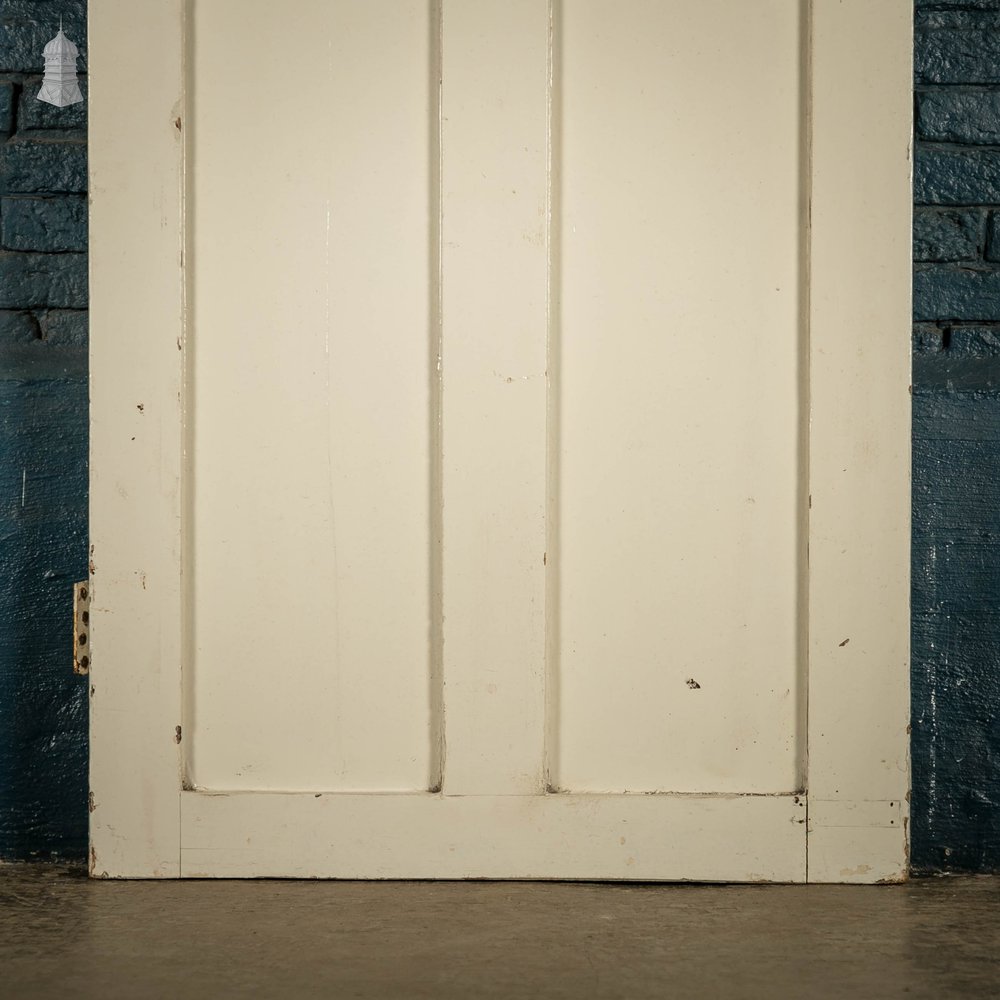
(680, 422)
(310, 374)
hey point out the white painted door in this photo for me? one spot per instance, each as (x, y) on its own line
(500, 438)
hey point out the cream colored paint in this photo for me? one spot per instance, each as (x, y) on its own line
(494, 325)
(311, 382)
(713, 838)
(456, 394)
(137, 317)
(681, 499)
(859, 525)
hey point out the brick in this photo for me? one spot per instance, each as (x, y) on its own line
(37, 280)
(959, 116)
(965, 575)
(955, 373)
(26, 353)
(35, 114)
(26, 25)
(65, 327)
(955, 293)
(983, 20)
(18, 328)
(6, 107)
(957, 55)
(974, 341)
(33, 165)
(958, 417)
(956, 176)
(993, 237)
(46, 224)
(922, 5)
(927, 338)
(39, 361)
(947, 235)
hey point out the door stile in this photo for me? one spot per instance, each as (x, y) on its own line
(494, 237)
(136, 312)
(859, 529)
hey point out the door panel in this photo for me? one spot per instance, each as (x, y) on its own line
(310, 381)
(680, 469)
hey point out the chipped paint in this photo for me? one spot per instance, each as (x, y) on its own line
(855, 872)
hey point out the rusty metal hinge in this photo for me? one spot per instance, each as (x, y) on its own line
(81, 627)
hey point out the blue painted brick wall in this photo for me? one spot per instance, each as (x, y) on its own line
(43, 440)
(956, 437)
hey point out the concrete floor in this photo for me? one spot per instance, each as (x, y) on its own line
(64, 936)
